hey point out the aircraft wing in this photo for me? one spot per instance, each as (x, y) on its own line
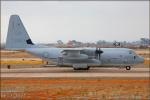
(74, 54)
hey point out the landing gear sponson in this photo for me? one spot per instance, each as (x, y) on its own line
(80, 67)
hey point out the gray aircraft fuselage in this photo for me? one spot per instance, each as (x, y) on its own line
(109, 57)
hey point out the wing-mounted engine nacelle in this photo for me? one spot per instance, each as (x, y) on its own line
(74, 55)
(89, 52)
(93, 53)
(77, 57)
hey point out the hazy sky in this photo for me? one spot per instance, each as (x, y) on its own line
(85, 21)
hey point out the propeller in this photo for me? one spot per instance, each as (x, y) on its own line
(98, 53)
(116, 44)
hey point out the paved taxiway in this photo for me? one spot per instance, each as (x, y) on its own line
(57, 72)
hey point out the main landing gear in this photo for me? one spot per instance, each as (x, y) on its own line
(128, 67)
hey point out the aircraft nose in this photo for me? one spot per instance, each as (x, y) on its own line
(141, 59)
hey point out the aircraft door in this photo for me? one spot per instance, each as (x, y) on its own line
(116, 59)
(60, 61)
(128, 59)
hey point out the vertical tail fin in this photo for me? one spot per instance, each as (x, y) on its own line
(17, 36)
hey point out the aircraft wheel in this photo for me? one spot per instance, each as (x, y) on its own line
(128, 67)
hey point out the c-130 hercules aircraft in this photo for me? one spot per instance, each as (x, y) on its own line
(78, 58)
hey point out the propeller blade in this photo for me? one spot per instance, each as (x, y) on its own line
(99, 56)
(98, 53)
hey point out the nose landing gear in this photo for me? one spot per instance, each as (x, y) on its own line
(128, 67)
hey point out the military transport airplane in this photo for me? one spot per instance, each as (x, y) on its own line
(78, 58)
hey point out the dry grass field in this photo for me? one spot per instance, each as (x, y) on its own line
(143, 52)
(15, 54)
(74, 89)
(26, 62)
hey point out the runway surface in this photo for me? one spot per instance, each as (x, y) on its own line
(57, 72)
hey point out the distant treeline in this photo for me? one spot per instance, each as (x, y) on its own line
(141, 44)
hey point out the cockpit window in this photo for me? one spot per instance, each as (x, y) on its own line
(132, 52)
